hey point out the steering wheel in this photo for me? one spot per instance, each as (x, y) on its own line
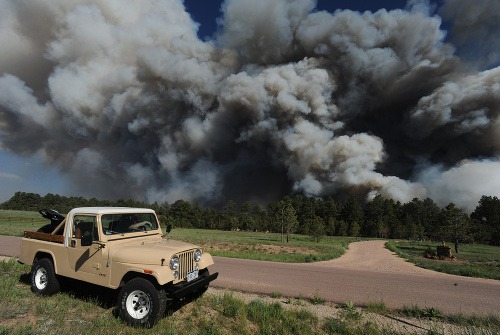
(144, 225)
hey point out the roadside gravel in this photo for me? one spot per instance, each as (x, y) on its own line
(369, 256)
(329, 310)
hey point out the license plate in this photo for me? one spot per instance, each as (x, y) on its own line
(192, 275)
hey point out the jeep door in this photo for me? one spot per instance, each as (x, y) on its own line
(85, 258)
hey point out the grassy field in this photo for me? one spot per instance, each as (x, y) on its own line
(473, 260)
(264, 246)
(87, 309)
(13, 223)
(236, 244)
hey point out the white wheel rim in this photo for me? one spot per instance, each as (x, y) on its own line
(138, 304)
(41, 278)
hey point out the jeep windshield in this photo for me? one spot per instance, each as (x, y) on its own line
(128, 223)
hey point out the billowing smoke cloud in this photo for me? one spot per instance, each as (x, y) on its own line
(468, 180)
(475, 26)
(128, 102)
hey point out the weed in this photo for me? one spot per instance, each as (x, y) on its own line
(350, 312)
(311, 259)
(316, 299)
(304, 314)
(22, 330)
(426, 312)
(230, 306)
(170, 330)
(336, 326)
(429, 252)
(276, 295)
(295, 301)
(349, 305)
(476, 321)
(411, 311)
(378, 307)
(431, 312)
(208, 327)
(347, 327)
(368, 328)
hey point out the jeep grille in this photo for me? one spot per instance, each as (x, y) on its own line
(186, 263)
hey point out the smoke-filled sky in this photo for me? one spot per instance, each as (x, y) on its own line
(110, 100)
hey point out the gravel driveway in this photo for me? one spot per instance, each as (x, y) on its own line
(374, 256)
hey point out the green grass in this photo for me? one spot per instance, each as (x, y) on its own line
(416, 312)
(474, 324)
(473, 260)
(377, 307)
(87, 309)
(264, 246)
(14, 223)
(235, 244)
(74, 312)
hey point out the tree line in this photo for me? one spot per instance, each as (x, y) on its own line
(383, 218)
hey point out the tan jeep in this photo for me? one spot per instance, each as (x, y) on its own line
(118, 248)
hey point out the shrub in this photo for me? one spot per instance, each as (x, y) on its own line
(349, 311)
(429, 253)
(377, 307)
(336, 326)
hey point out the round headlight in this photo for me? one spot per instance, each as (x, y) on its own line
(174, 263)
(197, 255)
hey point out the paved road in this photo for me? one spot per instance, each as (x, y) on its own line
(10, 246)
(452, 294)
(339, 282)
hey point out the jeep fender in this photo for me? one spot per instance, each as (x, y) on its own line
(120, 272)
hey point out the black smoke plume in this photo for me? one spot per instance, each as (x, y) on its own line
(127, 101)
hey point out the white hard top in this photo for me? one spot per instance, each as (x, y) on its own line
(109, 210)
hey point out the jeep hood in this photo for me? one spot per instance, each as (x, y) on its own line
(150, 253)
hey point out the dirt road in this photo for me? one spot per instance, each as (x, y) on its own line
(10, 246)
(366, 273)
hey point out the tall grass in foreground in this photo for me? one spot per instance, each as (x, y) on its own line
(74, 312)
(481, 261)
(85, 309)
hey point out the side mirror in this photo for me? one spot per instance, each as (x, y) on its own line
(86, 241)
(169, 228)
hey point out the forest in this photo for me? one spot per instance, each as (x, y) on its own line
(297, 214)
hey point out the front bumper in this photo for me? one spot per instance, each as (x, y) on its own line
(179, 291)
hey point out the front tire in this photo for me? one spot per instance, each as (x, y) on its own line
(141, 304)
(43, 278)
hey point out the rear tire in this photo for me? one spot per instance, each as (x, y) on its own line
(141, 304)
(43, 278)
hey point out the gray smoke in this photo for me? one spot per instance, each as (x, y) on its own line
(475, 29)
(127, 102)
